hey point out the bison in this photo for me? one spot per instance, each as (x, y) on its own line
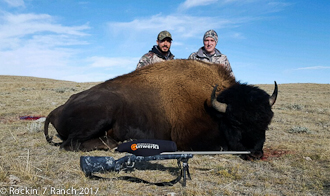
(198, 105)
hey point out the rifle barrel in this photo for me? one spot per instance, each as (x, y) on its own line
(208, 152)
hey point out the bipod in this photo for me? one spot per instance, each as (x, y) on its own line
(184, 170)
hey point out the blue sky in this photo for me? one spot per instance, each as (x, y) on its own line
(93, 40)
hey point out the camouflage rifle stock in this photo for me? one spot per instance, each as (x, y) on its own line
(102, 164)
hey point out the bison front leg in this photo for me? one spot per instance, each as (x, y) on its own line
(101, 143)
(70, 145)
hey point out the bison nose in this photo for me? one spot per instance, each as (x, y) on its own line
(256, 155)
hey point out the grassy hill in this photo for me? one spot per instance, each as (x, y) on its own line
(296, 162)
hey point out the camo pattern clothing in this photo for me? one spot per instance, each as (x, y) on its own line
(217, 58)
(154, 56)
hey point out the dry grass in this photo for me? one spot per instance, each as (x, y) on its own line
(297, 149)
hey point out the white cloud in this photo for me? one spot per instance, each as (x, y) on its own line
(237, 35)
(15, 3)
(194, 3)
(313, 68)
(123, 62)
(36, 45)
(22, 25)
(184, 26)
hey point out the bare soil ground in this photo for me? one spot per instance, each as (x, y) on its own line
(296, 161)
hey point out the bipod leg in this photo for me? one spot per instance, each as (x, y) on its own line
(184, 170)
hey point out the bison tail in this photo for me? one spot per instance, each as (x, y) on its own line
(48, 138)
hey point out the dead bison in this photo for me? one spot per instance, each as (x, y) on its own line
(198, 105)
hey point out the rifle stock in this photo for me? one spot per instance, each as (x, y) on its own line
(101, 164)
(145, 150)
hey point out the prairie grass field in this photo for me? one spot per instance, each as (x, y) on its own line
(296, 161)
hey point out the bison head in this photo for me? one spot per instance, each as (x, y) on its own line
(244, 113)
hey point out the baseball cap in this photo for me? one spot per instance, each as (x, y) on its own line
(164, 34)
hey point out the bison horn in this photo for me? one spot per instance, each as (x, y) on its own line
(221, 107)
(272, 99)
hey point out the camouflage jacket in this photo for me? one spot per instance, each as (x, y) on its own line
(217, 58)
(154, 56)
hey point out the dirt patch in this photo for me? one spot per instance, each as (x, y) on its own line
(270, 153)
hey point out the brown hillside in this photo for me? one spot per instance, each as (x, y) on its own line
(296, 162)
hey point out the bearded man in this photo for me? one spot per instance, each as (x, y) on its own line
(159, 52)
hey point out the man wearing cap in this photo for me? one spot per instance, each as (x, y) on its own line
(159, 52)
(209, 53)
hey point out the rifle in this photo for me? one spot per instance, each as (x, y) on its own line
(144, 150)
